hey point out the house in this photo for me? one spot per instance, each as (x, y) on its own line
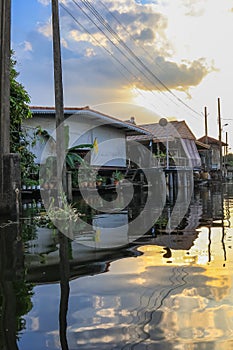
(85, 126)
(210, 156)
(173, 145)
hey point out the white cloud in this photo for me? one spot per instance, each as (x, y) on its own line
(27, 46)
(64, 43)
(45, 29)
(90, 52)
(144, 29)
(194, 7)
(44, 2)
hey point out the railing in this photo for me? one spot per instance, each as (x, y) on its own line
(173, 162)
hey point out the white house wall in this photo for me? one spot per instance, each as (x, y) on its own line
(111, 141)
(111, 147)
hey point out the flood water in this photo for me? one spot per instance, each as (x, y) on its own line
(163, 289)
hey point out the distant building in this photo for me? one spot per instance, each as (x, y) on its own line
(210, 155)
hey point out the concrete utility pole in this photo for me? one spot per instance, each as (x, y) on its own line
(10, 183)
(59, 105)
(220, 136)
(5, 18)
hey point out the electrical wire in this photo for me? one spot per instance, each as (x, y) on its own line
(109, 53)
(102, 21)
(131, 53)
(130, 60)
(113, 56)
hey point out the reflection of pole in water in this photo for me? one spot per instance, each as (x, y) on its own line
(209, 244)
(11, 262)
(65, 289)
(223, 233)
(223, 228)
(223, 244)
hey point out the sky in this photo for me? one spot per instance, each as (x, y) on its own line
(143, 58)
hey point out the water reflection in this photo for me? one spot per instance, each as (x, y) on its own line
(160, 291)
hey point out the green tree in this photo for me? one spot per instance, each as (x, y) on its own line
(19, 111)
(229, 159)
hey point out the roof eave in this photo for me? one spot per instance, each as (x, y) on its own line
(128, 128)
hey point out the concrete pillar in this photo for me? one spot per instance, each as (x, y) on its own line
(10, 190)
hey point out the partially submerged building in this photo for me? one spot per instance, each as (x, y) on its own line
(173, 145)
(210, 154)
(85, 126)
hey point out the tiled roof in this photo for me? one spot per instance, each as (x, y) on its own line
(181, 127)
(172, 129)
(210, 141)
(201, 144)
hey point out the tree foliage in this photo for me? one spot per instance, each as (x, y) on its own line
(19, 111)
(229, 159)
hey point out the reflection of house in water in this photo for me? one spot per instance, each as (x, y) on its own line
(110, 236)
(212, 204)
(106, 236)
(94, 263)
(90, 251)
(180, 237)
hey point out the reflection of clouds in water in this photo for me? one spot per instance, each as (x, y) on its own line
(145, 303)
(174, 304)
(194, 319)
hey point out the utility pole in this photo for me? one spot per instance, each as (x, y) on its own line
(10, 179)
(226, 143)
(225, 154)
(59, 105)
(5, 30)
(206, 125)
(220, 137)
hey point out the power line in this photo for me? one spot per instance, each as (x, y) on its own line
(112, 42)
(122, 43)
(108, 51)
(102, 21)
(132, 54)
(129, 34)
(132, 63)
